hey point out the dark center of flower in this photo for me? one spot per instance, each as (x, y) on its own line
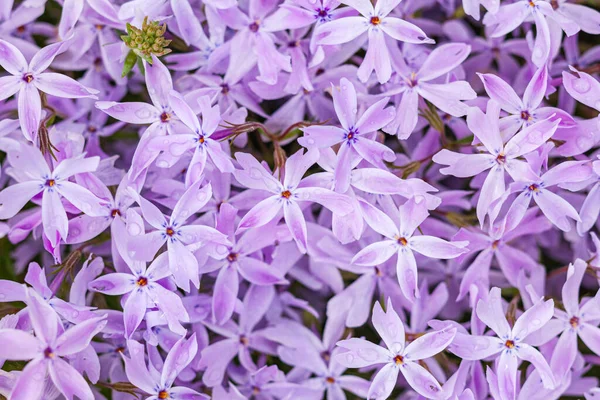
(375, 20)
(326, 355)
(534, 188)
(531, 3)
(322, 13)
(399, 360)
(495, 244)
(286, 194)
(330, 379)
(115, 212)
(554, 4)
(141, 282)
(224, 88)
(169, 231)
(293, 44)
(50, 182)
(163, 394)
(21, 29)
(255, 390)
(378, 271)
(120, 349)
(165, 117)
(510, 344)
(28, 78)
(525, 116)
(244, 340)
(574, 322)
(253, 27)
(48, 353)
(500, 158)
(232, 257)
(402, 241)
(201, 139)
(92, 129)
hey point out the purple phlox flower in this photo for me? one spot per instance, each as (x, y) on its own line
(397, 356)
(212, 50)
(511, 16)
(237, 259)
(500, 244)
(501, 156)
(46, 349)
(29, 79)
(175, 146)
(398, 231)
(72, 10)
(472, 7)
(159, 384)
(179, 236)
(228, 95)
(577, 16)
(33, 175)
(378, 25)
(286, 195)
(579, 319)
(239, 339)
(253, 44)
(160, 114)
(355, 136)
(144, 290)
(268, 382)
(527, 111)
(413, 84)
(537, 187)
(510, 343)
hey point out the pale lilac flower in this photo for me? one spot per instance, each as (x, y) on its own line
(527, 111)
(29, 79)
(179, 236)
(34, 176)
(397, 356)
(46, 351)
(500, 156)
(143, 291)
(286, 196)
(173, 147)
(400, 240)
(510, 343)
(356, 137)
(376, 22)
(413, 84)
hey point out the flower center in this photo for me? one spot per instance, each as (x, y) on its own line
(253, 27)
(232, 257)
(286, 194)
(322, 13)
(115, 212)
(500, 158)
(399, 360)
(510, 344)
(224, 88)
(375, 20)
(48, 353)
(169, 231)
(165, 117)
(120, 349)
(141, 282)
(402, 241)
(574, 322)
(525, 116)
(50, 182)
(201, 139)
(92, 129)
(531, 3)
(330, 379)
(534, 188)
(163, 394)
(244, 340)
(28, 78)
(255, 390)
(495, 244)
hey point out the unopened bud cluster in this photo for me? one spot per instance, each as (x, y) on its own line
(148, 40)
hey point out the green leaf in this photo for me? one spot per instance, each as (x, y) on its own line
(129, 63)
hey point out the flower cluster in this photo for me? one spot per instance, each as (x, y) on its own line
(299, 199)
